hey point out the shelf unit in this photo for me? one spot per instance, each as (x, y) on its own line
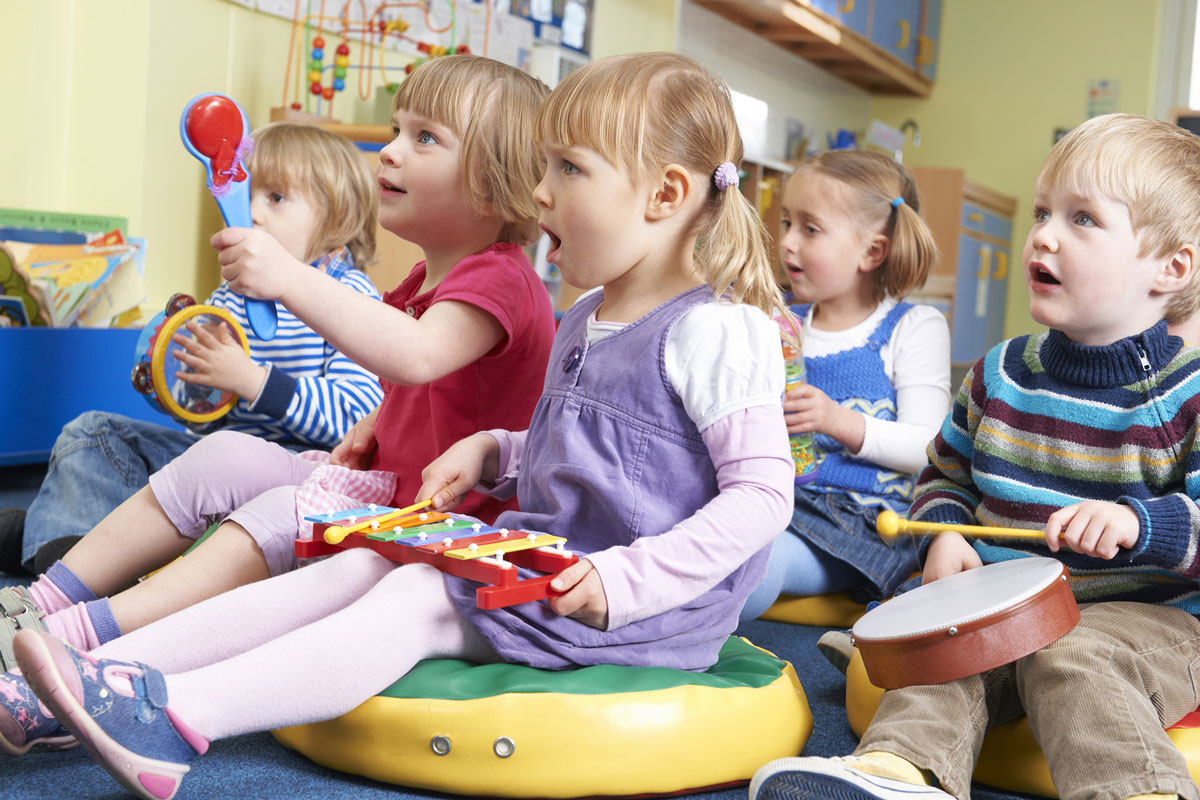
(857, 49)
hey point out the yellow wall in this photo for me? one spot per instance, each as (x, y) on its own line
(633, 26)
(92, 125)
(1009, 74)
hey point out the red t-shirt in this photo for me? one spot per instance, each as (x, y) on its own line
(417, 423)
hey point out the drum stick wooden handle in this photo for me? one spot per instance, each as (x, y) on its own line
(335, 533)
(889, 524)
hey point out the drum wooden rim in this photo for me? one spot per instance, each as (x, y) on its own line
(973, 646)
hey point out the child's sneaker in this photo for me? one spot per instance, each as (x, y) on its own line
(117, 710)
(25, 722)
(838, 648)
(825, 778)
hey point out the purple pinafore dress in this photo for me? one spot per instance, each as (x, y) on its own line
(611, 457)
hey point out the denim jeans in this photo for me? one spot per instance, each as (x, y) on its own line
(98, 462)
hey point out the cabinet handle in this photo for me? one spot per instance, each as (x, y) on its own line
(1001, 266)
(847, 6)
(926, 48)
(985, 256)
(905, 31)
(975, 216)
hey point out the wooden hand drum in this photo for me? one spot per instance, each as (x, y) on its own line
(967, 623)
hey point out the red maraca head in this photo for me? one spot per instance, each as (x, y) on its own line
(214, 127)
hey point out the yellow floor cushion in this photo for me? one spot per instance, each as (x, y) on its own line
(1011, 758)
(834, 610)
(504, 730)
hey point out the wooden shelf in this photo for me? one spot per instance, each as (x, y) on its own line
(801, 29)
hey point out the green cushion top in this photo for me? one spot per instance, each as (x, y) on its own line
(739, 664)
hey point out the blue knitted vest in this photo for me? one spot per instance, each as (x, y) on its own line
(856, 379)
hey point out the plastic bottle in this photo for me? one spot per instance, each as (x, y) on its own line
(804, 454)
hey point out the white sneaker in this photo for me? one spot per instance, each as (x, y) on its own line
(831, 779)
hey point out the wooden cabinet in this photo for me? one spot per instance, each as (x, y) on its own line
(883, 46)
(973, 229)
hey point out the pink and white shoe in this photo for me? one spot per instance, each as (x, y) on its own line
(116, 709)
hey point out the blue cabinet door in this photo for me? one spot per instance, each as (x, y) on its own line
(895, 26)
(1002, 268)
(853, 14)
(969, 337)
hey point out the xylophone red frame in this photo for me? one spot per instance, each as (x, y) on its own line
(504, 587)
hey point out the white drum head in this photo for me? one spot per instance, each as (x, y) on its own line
(958, 599)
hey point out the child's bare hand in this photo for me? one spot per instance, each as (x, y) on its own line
(253, 261)
(1094, 528)
(216, 358)
(358, 447)
(583, 595)
(458, 470)
(949, 554)
(806, 408)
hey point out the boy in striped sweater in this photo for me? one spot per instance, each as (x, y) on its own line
(1088, 431)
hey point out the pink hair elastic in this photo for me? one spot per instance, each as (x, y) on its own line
(725, 176)
(245, 148)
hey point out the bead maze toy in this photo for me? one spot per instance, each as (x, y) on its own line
(377, 30)
(216, 131)
(156, 368)
(455, 544)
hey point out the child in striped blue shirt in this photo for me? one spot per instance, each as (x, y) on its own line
(313, 191)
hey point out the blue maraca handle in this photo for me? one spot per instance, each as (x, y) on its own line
(235, 209)
(234, 203)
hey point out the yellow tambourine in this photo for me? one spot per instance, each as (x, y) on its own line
(155, 373)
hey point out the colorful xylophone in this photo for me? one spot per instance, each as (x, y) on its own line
(454, 544)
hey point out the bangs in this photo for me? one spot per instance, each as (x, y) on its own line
(442, 90)
(597, 107)
(282, 161)
(1089, 176)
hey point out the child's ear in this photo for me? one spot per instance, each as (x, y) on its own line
(876, 253)
(675, 185)
(1177, 272)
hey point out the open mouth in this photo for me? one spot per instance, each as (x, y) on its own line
(555, 244)
(388, 187)
(1043, 276)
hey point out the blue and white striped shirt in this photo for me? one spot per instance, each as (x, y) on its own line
(314, 394)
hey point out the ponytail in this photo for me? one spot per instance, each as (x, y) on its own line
(912, 253)
(734, 254)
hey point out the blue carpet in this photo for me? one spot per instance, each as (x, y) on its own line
(257, 766)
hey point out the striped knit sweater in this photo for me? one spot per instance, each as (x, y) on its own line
(1042, 422)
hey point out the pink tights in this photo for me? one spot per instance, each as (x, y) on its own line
(301, 647)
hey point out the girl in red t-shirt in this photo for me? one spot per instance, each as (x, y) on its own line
(461, 346)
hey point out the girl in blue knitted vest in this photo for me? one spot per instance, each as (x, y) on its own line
(853, 243)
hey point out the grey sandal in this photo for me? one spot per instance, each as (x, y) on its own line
(16, 600)
(30, 619)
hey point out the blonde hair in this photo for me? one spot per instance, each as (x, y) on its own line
(331, 173)
(643, 111)
(1153, 167)
(873, 182)
(491, 107)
